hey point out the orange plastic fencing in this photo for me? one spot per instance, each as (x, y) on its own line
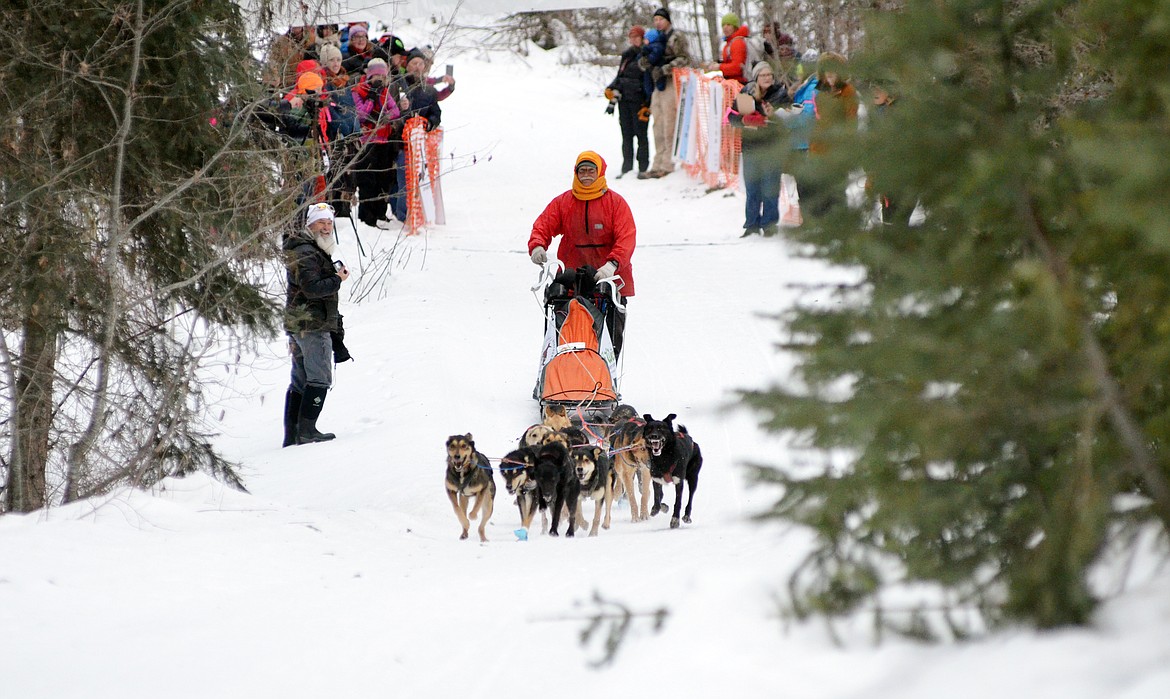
(712, 150)
(422, 156)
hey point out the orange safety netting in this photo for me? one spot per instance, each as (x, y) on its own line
(698, 164)
(422, 154)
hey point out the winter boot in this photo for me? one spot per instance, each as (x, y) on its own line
(311, 405)
(292, 413)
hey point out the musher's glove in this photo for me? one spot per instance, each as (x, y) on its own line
(609, 94)
(607, 270)
(644, 113)
(539, 256)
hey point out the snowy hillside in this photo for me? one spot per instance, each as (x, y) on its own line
(341, 573)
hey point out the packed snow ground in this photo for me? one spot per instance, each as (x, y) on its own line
(341, 575)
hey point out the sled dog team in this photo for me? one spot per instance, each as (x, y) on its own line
(558, 468)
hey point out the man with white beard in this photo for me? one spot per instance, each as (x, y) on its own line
(312, 322)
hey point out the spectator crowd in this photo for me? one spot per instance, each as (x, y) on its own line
(343, 99)
(788, 105)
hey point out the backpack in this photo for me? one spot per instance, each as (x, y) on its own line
(755, 54)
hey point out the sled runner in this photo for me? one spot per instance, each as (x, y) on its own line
(577, 359)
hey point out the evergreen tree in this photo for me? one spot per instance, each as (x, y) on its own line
(133, 210)
(993, 387)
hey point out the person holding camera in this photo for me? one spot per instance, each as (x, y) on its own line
(628, 92)
(597, 230)
(305, 118)
(313, 323)
(380, 108)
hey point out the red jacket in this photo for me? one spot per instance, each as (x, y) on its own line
(593, 233)
(735, 54)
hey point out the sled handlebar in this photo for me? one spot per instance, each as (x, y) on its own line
(615, 284)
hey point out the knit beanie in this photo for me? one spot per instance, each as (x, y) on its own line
(760, 68)
(377, 66)
(328, 52)
(638, 30)
(318, 212)
(309, 82)
(729, 18)
(663, 13)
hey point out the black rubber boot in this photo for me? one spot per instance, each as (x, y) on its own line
(307, 432)
(292, 414)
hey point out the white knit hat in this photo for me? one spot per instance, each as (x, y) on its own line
(318, 212)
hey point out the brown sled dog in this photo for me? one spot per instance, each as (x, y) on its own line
(631, 460)
(469, 475)
(555, 419)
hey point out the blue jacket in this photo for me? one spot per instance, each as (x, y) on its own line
(802, 124)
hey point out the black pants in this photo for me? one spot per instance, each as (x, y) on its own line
(373, 174)
(633, 128)
(616, 322)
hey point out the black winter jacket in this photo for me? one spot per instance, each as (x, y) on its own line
(311, 299)
(629, 80)
(424, 101)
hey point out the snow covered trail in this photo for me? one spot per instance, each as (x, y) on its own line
(341, 573)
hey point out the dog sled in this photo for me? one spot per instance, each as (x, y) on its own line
(579, 368)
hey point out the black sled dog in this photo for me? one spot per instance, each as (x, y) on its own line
(517, 468)
(674, 459)
(557, 486)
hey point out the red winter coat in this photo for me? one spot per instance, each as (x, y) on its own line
(735, 54)
(593, 232)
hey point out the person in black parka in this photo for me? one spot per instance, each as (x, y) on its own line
(313, 323)
(628, 88)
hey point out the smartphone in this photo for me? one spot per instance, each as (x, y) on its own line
(450, 71)
(338, 264)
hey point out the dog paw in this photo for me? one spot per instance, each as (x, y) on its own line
(687, 519)
(554, 533)
(463, 536)
(674, 522)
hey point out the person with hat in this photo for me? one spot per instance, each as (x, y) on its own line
(835, 109)
(759, 109)
(596, 228)
(628, 91)
(664, 101)
(313, 323)
(396, 49)
(780, 51)
(735, 53)
(360, 51)
(379, 108)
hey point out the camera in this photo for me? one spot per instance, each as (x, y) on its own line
(338, 265)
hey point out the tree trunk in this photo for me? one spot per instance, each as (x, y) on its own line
(711, 12)
(80, 450)
(33, 413)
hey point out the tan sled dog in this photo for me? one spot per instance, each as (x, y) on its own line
(469, 475)
(631, 459)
